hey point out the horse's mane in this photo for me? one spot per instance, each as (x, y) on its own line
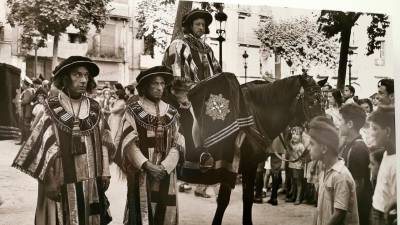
(275, 92)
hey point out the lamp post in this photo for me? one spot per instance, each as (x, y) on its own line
(245, 56)
(221, 17)
(351, 52)
(35, 42)
(350, 65)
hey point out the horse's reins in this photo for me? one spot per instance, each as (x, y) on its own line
(300, 96)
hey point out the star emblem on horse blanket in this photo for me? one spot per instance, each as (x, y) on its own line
(217, 107)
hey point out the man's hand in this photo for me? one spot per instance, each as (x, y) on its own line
(106, 182)
(156, 171)
(52, 185)
(392, 204)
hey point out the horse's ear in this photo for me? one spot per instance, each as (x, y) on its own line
(304, 80)
(322, 82)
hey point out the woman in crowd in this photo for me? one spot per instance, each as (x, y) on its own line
(366, 104)
(117, 109)
(105, 104)
(297, 149)
(130, 94)
(335, 102)
(38, 108)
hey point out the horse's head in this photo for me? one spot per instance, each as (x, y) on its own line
(309, 99)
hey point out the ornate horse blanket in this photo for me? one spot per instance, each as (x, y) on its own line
(220, 113)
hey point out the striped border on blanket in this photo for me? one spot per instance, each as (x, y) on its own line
(229, 130)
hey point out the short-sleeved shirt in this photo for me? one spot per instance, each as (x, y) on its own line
(337, 189)
(385, 188)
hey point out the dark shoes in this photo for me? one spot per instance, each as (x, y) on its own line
(201, 194)
(273, 201)
(184, 187)
(257, 200)
(290, 200)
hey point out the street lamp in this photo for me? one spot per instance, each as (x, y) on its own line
(245, 56)
(351, 52)
(35, 42)
(221, 17)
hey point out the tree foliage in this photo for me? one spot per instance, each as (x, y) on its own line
(298, 42)
(156, 19)
(334, 22)
(340, 23)
(50, 17)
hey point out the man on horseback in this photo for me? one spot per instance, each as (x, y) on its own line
(189, 57)
(191, 60)
(148, 146)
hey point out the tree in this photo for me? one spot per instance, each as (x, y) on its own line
(156, 21)
(298, 42)
(50, 17)
(336, 22)
(184, 7)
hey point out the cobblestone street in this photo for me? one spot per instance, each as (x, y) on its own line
(19, 192)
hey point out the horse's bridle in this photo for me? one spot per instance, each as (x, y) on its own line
(300, 97)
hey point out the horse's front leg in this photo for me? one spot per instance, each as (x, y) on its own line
(224, 196)
(249, 174)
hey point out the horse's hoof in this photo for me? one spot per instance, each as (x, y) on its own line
(273, 202)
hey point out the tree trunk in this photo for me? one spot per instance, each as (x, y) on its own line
(55, 51)
(344, 50)
(183, 8)
(278, 69)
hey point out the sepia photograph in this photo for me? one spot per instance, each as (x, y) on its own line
(167, 112)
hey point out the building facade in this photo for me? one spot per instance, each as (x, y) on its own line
(115, 48)
(121, 56)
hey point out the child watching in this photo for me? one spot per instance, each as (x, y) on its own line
(337, 200)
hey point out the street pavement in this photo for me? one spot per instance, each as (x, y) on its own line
(18, 192)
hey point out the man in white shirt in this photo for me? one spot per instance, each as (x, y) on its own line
(385, 93)
(348, 94)
(383, 132)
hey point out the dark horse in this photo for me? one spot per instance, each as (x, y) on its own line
(274, 106)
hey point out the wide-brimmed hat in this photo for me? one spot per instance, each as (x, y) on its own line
(74, 61)
(195, 14)
(162, 71)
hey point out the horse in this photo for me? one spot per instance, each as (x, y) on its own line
(273, 105)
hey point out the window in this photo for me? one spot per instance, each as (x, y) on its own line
(107, 41)
(264, 18)
(241, 24)
(149, 42)
(380, 60)
(1, 32)
(76, 38)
